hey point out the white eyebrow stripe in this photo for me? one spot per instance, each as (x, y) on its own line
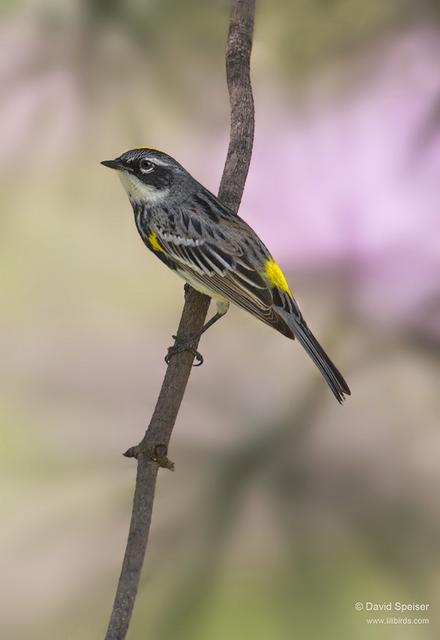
(160, 163)
(153, 159)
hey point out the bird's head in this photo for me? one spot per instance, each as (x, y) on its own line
(149, 176)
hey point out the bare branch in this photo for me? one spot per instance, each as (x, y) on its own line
(151, 453)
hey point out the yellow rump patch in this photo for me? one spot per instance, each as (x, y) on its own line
(275, 276)
(154, 244)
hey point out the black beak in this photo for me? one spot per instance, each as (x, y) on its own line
(113, 164)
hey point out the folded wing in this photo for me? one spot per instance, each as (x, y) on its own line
(218, 262)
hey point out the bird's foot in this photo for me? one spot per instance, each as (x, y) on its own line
(183, 344)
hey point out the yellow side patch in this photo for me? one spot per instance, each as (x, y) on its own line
(154, 244)
(275, 276)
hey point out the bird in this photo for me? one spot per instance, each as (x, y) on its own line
(214, 250)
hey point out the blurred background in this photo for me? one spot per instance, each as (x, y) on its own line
(285, 508)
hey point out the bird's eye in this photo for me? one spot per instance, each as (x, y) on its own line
(146, 166)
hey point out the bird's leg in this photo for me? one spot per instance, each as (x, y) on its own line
(184, 344)
(208, 324)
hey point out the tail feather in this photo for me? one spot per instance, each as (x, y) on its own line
(331, 374)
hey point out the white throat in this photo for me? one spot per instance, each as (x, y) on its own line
(138, 191)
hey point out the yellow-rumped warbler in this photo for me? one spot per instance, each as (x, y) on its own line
(213, 249)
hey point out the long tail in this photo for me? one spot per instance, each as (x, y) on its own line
(331, 374)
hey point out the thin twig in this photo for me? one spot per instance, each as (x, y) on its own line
(151, 453)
